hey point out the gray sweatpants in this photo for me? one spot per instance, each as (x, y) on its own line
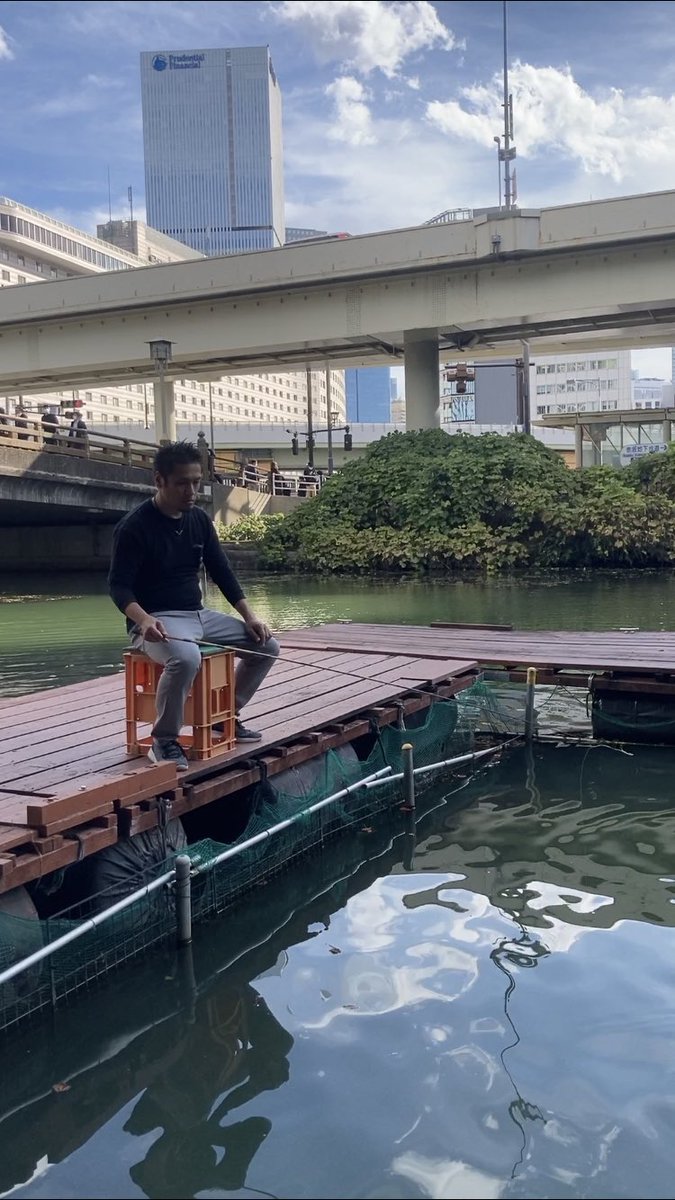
(182, 659)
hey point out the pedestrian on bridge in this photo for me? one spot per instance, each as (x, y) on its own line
(158, 552)
(21, 421)
(50, 427)
(77, 434)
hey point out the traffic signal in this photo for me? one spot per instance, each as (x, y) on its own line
(348, 439)
(294, 444)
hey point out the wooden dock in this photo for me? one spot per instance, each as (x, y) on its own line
(68, 788)
(619, 654)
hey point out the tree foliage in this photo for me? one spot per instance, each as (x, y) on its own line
(253, 528)
(429, 501)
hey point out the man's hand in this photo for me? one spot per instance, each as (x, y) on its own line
(152, 630)
(259, 631)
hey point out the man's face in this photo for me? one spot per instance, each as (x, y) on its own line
(179, 489)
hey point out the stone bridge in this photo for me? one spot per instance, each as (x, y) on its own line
(57, 511)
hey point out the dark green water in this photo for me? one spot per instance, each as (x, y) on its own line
(493, 1018)
(489, 1013)
(63, 629)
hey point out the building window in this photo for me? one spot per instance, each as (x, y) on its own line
(21, 279)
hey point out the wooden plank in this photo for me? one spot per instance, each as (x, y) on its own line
(464, 625)
(517, 650)
(67, 690)
(101, 789)
(15, 835)
(322, 686)
(87, 813)
(106, 760)
(17, 869)
(13, 809)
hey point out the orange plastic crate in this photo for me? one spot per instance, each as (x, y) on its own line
(210, 701)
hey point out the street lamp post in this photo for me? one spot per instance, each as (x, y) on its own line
(165, 414)
(211, 413)
(329, 423)
(310, 420)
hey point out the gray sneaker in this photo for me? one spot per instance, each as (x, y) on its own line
(241, 732)
(168, 750)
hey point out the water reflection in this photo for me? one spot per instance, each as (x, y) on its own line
(524, 952)
(482, 1006)
(233, 1052)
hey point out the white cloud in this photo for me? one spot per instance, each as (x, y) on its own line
(608, 134)
(413, 83)
(367, 35)
(5, 48)
(66, 105)
(399, 179)
(353, 119)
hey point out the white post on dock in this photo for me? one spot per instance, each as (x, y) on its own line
(529, 703)
(408, 776)
(183, 895)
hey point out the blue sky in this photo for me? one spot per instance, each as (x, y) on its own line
(389, 108)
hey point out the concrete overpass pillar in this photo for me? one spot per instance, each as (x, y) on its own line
(422, 379)
(165, 410)
(667, 434)
(578, 446)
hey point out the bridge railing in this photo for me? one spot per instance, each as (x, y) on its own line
(25, 433)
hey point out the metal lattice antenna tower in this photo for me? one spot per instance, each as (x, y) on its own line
(505, 148)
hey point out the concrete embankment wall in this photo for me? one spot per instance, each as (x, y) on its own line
(232, 503)
(55, 548)
(86, 547)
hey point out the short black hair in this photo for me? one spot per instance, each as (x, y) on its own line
(175, 454)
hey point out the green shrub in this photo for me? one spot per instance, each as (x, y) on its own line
(252, 528)
(429, 501)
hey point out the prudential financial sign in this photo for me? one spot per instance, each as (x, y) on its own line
(178, 62)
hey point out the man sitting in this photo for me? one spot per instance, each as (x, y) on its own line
(158, 550)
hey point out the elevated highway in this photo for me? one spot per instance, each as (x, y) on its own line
(567, 278)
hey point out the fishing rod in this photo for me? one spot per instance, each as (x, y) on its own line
(298, 663)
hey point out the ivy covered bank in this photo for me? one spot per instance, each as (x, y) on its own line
(432, 502)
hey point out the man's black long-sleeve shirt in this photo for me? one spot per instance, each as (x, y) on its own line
(156, 561)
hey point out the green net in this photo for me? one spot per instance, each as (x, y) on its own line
(447, 729)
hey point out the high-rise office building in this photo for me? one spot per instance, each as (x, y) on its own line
(213, 148)
(368, 391)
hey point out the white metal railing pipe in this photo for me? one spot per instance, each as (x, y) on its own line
(87, 926)
(446, 762)
(91, 923)
(267, 833)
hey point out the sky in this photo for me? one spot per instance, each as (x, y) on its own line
(390, 109)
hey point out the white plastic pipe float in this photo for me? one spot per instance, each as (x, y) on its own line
(168, 877)
(86, 927)
(447, 762)
(267, 833)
